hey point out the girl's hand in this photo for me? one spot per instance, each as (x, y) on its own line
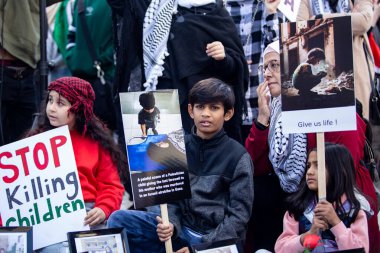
(164, 232)
(263, 102)
(271, 5)
(95, 216)
(318, 225)
(183, 250)
(216, 50)
(326, 210)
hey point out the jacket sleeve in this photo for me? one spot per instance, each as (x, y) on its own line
(289, 240)
(356, 236)
(239, 206)
(257, 147)
(109, 188)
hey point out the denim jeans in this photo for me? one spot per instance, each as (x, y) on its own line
(142, 235)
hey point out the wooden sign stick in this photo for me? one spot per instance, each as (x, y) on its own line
(165, 221)
(321, 166)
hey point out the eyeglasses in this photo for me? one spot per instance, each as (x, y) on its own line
(273, 66)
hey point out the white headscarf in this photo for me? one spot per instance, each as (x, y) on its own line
(272, 47)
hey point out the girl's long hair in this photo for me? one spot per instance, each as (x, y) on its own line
(340, 180)
(96, 130)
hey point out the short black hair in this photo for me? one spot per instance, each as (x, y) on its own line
(316, 54)
(212, 90)
(147, 100)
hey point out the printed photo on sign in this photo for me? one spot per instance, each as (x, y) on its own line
(155, 147)
(16, 239)
(39, 186)
(224, 246)
(317, 75)
(99, 241)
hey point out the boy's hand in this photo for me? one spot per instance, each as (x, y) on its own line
(94, 217)
(216, 50)
(164, 232)
(183, 250)
(263, 102)
(325, 210)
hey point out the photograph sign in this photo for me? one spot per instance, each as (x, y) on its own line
(39, 186)
(317, 76)
(113, 240)
(16, 239)
(224, 246)
(155, 147)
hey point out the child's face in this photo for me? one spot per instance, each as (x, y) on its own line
(209, 118)
(312, 171)
(57, 111)
(149, 110)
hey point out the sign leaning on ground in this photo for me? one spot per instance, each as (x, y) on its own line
(39, 186)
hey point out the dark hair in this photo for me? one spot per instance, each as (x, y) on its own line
(96, 130)
(147, 100)
(340, 180)
(212, 90)
(316, 53)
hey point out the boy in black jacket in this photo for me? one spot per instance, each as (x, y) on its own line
(221, 181)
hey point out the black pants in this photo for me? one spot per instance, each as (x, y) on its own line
(18, 102)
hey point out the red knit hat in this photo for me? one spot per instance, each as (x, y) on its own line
(79, 93)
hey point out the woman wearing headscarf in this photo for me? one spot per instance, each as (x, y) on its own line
(279, 159)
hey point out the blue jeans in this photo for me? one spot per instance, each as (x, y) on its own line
(142, 235)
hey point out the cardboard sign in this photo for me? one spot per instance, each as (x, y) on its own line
(155, 147)
(289, 8)
(317, 76)
(39, 187)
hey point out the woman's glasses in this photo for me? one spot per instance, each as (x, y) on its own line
(273, 66)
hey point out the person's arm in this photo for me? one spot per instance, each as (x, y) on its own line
(109, 188)
(143, 129)
(257, 141)
(270, 28)
(356, 236)
(240, 203)
(289, 240)
(222, 58)
(175, 216)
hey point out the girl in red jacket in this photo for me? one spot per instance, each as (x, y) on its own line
(70, 102)
(340, 220)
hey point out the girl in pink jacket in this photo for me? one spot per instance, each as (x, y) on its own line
(340, 220)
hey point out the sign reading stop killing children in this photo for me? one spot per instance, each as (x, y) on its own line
(155, 146)
(39, 187)
(317, 75)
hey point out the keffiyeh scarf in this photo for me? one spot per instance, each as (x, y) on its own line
(287, 152)
(157, 22)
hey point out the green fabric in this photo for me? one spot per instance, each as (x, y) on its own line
(99, 22)
(61, 27)
(21, 30)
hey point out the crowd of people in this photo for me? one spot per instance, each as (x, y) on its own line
(249, 179)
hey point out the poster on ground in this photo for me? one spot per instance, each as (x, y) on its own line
(155, 147)
(39, 187)
(317, 76)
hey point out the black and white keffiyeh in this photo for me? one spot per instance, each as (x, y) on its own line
(323, 6)
(157, 22)
(287, 152)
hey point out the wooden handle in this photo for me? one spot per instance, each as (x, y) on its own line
(321, 166)
(165, 221)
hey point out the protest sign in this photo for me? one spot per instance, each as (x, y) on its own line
(155, 146)
(39, 186)
(317, 76)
